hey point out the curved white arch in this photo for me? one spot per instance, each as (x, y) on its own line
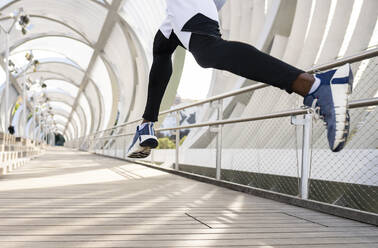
(80, 14)
(90, 102)
(54, 100)
(100, 101)
(94, 92)
(94, 1)
(114, 83)
(131, 86)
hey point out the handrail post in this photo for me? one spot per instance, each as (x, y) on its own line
(115, 143)
(115, 147)
(306, 155)
(103, 145)
(91, 143)
(177, 141)
(306, 122)
(219, 141)
(152, 156)
(124, 147)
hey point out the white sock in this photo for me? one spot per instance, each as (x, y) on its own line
(315, 86)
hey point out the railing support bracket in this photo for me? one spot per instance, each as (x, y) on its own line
(306, 122)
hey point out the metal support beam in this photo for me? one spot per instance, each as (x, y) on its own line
(219, 141)
(110, 20)
(306, 122)
(177, 163)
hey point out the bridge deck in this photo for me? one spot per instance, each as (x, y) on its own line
(74, 199)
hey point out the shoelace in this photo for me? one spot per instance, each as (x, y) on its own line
(316, 111)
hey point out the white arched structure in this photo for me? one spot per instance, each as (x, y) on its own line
(97, 54)
(94, 57)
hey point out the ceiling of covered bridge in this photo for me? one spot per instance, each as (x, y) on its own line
(93, 56)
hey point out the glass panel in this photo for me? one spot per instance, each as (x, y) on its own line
(118, 50)
(20, 61)
(60, 127)
(76, 119)
(85, 16)
(60, 118)
(95, 99)
(59, 105)
(85, 105)
(4, 2)
(101, 78)
(58, 47)
(65, 69)
(71, 129)
(2, 76)
(135, 12)
(63, 86)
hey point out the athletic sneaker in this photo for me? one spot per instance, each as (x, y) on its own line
(144, 140)
(332, 99)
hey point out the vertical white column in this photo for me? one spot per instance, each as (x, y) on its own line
(306, 155)
(177, 167)
(24, 103)
(34, 120)
(219, 142)
(124, 146)
(306, 122)
(39, 127)
(7, 83)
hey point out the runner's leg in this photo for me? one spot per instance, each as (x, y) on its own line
(160, 73)
(246, 61)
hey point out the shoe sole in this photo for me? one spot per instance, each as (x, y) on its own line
(144, 152)
(340, 93)
(150, 143)
(346, 134)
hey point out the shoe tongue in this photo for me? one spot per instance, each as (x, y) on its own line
(326, 77)
(141, 126)
(308, 100)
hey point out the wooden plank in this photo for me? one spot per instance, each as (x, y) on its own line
(202, 229)
(167, 237)
(359, 242)
(42, 245)
(80, 200)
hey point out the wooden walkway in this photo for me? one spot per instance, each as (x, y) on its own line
(74, 199)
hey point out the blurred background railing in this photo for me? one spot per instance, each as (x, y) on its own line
(284, 151)
(16, 151)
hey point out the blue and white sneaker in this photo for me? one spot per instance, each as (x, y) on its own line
(144, 140)
(332, 99)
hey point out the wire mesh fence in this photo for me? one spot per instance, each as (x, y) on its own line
(165, 153)
(262, 157)
(267, 153)
(199, 157)
(350, 178)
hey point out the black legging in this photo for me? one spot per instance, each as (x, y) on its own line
(213, 52)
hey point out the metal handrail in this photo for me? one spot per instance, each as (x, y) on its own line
(353, 104)
(350, 59)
